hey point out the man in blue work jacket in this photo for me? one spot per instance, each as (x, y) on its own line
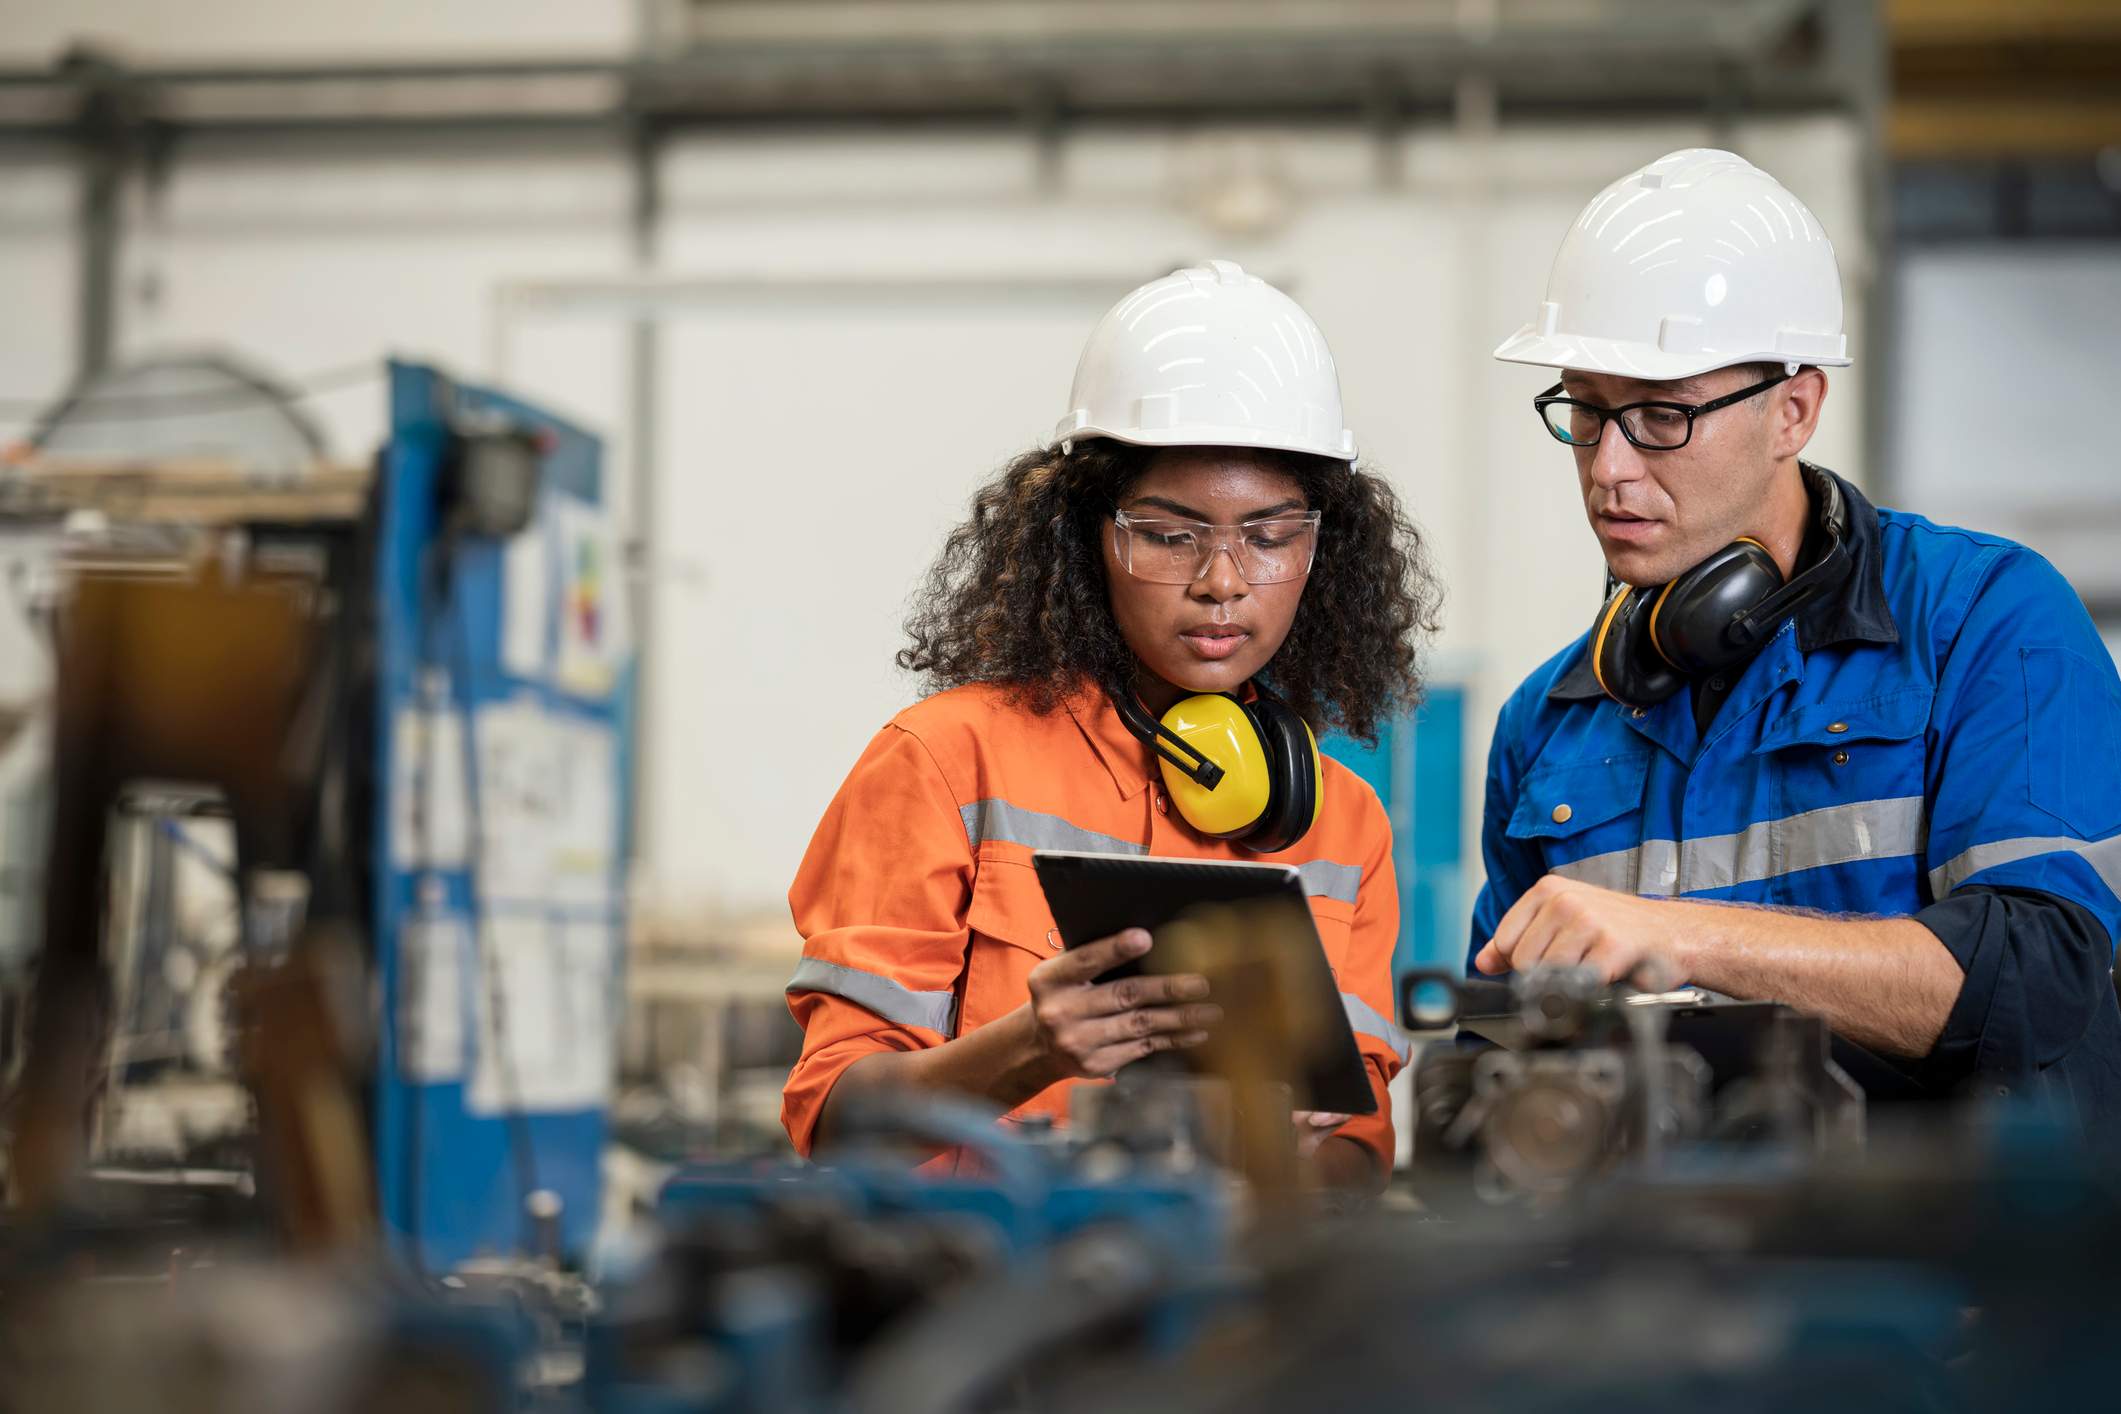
(1810, 750)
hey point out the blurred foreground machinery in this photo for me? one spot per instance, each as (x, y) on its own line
(1946, 1267)
(1574, 1081)
(867, 1285)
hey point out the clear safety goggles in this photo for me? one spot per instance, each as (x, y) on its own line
(1167, 551)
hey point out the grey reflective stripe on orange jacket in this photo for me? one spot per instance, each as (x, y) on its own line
(893, 1001)
(1008, 823)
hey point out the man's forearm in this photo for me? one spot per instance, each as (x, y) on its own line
(1887, 983)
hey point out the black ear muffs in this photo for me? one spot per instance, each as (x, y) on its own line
(1693, 618)
(1649, 641)
(1293, 799)
(1622, 657)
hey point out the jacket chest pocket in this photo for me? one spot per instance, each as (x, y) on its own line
(1831, 756)
(1012, 932)
(1848, 785)
(1578, 812)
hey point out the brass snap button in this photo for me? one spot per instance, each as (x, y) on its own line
(1837, 728)
(1841, 758)
(1562, 814)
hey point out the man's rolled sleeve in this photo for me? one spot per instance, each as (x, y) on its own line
(2024, 846)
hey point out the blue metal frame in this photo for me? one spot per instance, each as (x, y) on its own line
(448, 1178)
(1417, 770)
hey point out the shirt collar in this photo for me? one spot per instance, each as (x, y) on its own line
(1122, 752)
(1853, 612)
(1125, 755)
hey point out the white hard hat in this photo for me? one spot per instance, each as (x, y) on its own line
(1209, 356)
(1698, 261)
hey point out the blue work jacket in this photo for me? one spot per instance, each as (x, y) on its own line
(1939, 737)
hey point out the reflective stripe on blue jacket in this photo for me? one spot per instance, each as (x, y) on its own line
(1941, 737)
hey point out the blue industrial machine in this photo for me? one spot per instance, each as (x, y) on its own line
(1416, 767)
(502, 741)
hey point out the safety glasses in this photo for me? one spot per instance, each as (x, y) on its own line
(1652, 426)
(1166, 551)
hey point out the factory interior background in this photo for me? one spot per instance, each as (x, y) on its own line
(792, 279)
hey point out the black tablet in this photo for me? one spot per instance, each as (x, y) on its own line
(1249, 928)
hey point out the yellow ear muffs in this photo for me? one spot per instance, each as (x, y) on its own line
(1268, 795)
(1244, 771)
(1219, 728)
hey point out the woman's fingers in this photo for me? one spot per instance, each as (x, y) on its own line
(1130, 993)
(1112, 1058)
(1137, 1024)
(1091, 960)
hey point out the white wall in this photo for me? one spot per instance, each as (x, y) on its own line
(813, 457)
(37, 275)
(2002, 413)
(313, 258)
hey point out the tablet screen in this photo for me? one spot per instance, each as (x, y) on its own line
(1248, 928)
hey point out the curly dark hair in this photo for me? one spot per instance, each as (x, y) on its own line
(1018, 597)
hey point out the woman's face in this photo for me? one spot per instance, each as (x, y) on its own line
(1212, 634)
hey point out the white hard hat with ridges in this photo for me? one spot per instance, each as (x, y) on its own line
(1698, 261)
(1209, 356)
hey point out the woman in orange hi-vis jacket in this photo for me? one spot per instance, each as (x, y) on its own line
(1198, 526)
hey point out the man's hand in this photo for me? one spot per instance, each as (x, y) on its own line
(1082, 1028)
(1562, 922)
(1886, 983)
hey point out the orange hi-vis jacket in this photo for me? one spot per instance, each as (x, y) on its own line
(922, 917)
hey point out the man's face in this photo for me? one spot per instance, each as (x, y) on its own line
(1659, 513)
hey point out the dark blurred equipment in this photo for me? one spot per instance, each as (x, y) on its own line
(1586, 1078)
(1936, 1272)
(216, 679)
(1946, 1272)
(490, 482)
(99, 1334)
(866, 1285)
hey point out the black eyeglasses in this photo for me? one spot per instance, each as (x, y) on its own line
(1653, 426)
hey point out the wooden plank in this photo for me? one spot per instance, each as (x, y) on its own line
(189, 492)
(1922, 23)
(1942, 127)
